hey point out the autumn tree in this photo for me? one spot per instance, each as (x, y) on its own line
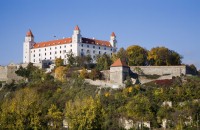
(71, 59)
(59, 62)
(60, 73)
(84, 73)
(163, 56)
(136, 55)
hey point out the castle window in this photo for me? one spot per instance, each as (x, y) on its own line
(60, 52)
(64, 51)
(94, 57)
(99, 52)
(55, 52)
(34, 55)
(104, 48)
(39, 49)
(70, 45)
(93, 46)
(50, 48)
(111, 49)
(71, 50)
(94, 52)
(111, 54)
(99, 47)
(60, 47)
(64, 46)
(45, 49)
(34, 50)
(87, 46)
(39, 54)
(50, 58)
(82, 45)
(55, 47)
(82, 50)
(45, 54)
(50, 53)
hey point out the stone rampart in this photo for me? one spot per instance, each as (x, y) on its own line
(160, 70)
(3, 73)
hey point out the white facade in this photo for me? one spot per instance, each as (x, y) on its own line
(78, 45)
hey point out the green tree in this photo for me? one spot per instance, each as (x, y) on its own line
(95, 74)
(71, 59)
(103, 62)
(138, 108)
(54, 117)
(136, 55)
(122, 54)
(86, 114)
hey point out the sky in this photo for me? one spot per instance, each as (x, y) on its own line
(174, 24)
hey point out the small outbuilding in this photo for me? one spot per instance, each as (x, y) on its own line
(119, 70)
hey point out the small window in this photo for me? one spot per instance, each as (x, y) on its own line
(82, 50)
(55, 52)
(99, 52)
(39, 54)
(111, 49)
(34, 50)
(87, 46)
(34, 60)
(111, 54)
(50, 48)
(93, 52)
(60, 52)
(45, 49)
(60, 47)
(104, 48)
(70, 45)
(50, 53)
(39, 49)
(82, 45)
(71, 50)
(65, 46)
(55, 47)
(45, 54)
(50, 58)
(34, 55)
(99, 47)
(93, 46)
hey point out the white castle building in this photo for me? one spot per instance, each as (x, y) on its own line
(50, 50)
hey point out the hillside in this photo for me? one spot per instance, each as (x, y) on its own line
(44, 102)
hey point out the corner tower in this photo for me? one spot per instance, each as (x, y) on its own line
(113, 40)
(76, 37)
(28, 45)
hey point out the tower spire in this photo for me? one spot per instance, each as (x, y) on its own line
(77, 28)
(29, 33)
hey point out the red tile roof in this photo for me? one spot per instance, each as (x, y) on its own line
(118, 63)
(29, 33)
(113, 34)
(76, 28)
(53, 43)
(96, 42)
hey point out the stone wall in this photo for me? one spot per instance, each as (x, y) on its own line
(3, 73)
(161, 70)
(118, 74)
(7, 73)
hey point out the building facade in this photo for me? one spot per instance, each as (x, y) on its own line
(80, 46)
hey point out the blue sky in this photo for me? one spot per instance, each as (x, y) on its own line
(174, 24)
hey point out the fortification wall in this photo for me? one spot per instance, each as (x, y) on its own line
(161, 70)
(3, 73)
(11, 75)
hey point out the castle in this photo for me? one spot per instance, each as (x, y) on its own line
(80, 46)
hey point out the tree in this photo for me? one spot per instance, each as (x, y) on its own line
(136, 55)
(95, 74)
(71, 59)
(138, 108)
(163, 56)
(54, 117)
(103, 62)
(84, 73)
(86, 114)
(59, 62)
(22, 111)
(122, 54)
(60, 73)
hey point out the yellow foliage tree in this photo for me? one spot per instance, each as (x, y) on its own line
(60, 73)
(84, 73)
